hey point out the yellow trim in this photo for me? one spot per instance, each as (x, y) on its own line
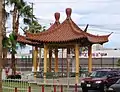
(77, 62)
(56, 60)
(90, 59)
(45, 61)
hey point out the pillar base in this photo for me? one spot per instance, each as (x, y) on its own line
(35, 76)
(77, 78)
(44, 77)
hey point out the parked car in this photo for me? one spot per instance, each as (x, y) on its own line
(115, 87)
(100, 80)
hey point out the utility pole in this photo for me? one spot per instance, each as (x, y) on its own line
(33, 51)
(32, 10)
(32, 21)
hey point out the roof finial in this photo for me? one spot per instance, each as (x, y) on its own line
(68, 12)
(85, 30)
(110, 33)
(57, 16)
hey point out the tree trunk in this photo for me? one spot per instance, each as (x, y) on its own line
(4, 19)
(4, 52)
(4, 57)
(1, 37)
(14, 18)
(13, 65)
(17, 24)
(14, 30)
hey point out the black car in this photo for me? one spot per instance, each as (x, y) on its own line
(100, 80)
(115, 87)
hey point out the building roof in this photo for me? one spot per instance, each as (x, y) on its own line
(67, 31)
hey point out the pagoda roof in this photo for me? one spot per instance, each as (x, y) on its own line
(67, 31)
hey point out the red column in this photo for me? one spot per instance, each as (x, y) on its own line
(15, 89)
(75, 87)
(61, 88)
(42, 88)
(29, 89)
(54, 88)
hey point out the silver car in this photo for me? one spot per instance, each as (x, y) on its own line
(115, 87)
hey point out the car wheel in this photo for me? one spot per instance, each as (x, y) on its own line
(104, 89)
(84, 90)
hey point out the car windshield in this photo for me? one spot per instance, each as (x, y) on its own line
(98, 74)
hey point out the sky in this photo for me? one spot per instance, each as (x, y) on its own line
(103, 16)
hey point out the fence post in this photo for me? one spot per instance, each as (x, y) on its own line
(29, 89)
(54, 88)
(61, 88)
(42, 88)
(15, 89)
(76, 87)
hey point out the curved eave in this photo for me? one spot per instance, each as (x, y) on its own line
(57, 41)
(22, 39)
(95, 39)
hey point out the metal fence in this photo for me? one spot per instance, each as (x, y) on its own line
(20, 85)
(9, 85)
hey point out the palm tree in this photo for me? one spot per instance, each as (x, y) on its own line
(1, 1)
(6, 45)
(5, 16)
(20, 9)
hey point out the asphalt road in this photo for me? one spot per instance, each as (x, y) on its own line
(80, 90)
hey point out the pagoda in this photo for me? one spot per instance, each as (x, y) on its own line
(65, 35)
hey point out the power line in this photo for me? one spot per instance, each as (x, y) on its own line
(101, 29)
(107, 31)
